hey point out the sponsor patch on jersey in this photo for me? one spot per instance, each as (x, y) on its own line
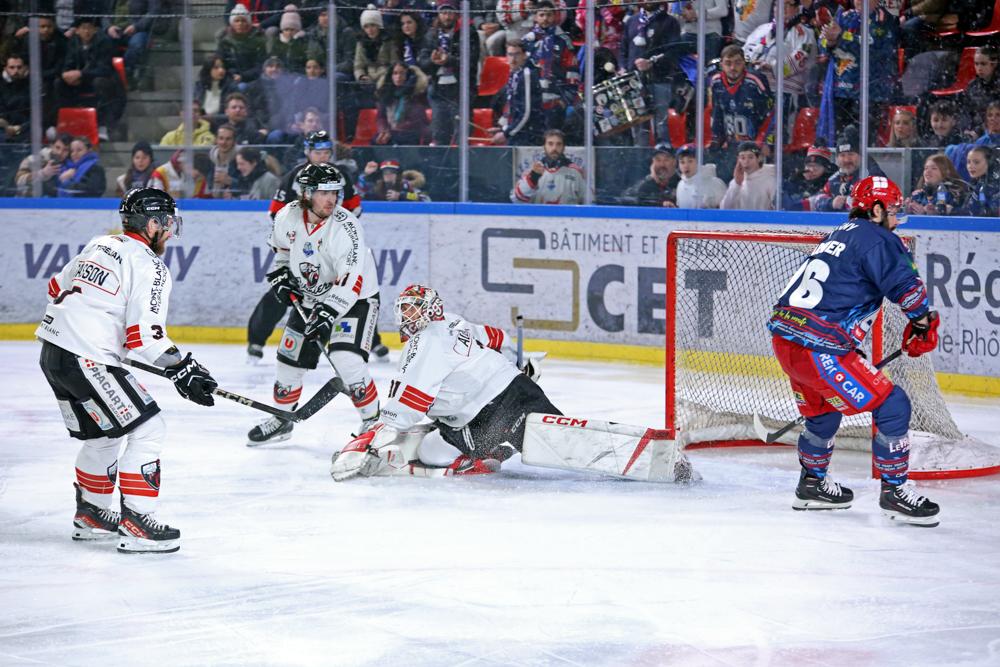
(345, 330)
(97, 414)
(98, 276)
(291, 345)
(69, 417)
(291, 237)
(139, 389)
(307, 249)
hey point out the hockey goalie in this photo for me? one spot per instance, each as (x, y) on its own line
(484, 409)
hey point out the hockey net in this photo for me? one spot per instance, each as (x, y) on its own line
(721, 370)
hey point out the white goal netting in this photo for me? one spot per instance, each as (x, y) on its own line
(721, 370)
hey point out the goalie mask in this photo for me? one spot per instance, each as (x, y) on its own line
(140, 205)
(416, 307)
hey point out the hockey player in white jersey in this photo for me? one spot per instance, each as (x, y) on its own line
(455, 373)
(322, 261)
(110, 302)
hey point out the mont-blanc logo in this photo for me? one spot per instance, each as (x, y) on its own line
(310, 273)
(151, 473)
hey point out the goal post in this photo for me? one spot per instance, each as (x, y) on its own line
(721, 370)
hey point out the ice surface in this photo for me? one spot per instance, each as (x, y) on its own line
(279, 565)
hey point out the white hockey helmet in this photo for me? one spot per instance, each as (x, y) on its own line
(416, 307)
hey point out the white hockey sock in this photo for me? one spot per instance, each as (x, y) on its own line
(354, 372)
(287, 384)
(97, 470)
(140, 465)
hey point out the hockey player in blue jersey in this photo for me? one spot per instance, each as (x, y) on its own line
(817, 325)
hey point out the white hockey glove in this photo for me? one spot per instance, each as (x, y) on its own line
(366, 454)
(533, 366)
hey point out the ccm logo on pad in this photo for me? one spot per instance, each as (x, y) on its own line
(563, 421)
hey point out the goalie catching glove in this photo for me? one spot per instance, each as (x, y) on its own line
(367, 453)
(321, 323)
(192, 381)
(920, 335)
(284, 285)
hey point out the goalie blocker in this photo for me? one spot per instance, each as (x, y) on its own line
(606, 448)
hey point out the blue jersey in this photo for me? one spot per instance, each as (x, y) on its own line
(832, 300)
(741, 111)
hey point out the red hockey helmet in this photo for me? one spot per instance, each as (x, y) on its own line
(876, 189)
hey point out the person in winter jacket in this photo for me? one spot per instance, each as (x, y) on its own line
(609, 23)
(373, 53)
(798, 192)
(903, 131)
(440, 58)
(202, 129)
(944, 126)
(522, 121)
(172, 176)
(402, 106)
(214, 85)
(983, 89)
(290, 44)
(836, 194)
(555, 179)
(140, 172)
(984, 183)
(253, 180)
(752, 187)
(382, 182)
(941, 191)
(659, 187)
(88, 78)
(698, 188)
(550, 51)
(242, 46)
(80, 175)
(992, 135)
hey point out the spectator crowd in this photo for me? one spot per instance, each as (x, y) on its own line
(933, 96)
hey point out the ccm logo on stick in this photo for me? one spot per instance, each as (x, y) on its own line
(563, 421)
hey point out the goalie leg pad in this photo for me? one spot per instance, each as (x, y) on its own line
(607, 448)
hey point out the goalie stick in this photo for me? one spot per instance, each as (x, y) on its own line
(325, 394)
(519, 320)
(772, 436)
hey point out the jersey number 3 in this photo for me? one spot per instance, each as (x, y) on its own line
(807, 284)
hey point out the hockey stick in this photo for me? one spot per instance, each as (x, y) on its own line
(520, 341)
(771, 436)
(325, 394)
(322, 348)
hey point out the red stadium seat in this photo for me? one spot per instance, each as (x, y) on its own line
(804, 129)
(494, 76)
(482, 121)
(676, 128)
(993, 28)
(708, 124)
(119, 64)
(965, 74)
(367, 127)
(79, 122)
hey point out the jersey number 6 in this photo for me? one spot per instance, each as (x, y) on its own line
(809, 280)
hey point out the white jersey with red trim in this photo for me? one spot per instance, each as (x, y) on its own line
(330, 260)
(110, 300)
(448, 372)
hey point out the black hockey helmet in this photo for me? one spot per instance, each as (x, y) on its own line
(140, 205)
(318, 140)
(324, 176)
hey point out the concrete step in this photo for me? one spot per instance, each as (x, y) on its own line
(150, 128)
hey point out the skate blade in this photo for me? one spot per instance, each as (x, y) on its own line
(920, 521)
(89, 534)
(800, 505)
(269, 441)
(129, 544)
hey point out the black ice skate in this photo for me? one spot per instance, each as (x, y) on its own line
(814, 493)
(255, 354)
(92, 522)
(273, 430)
(902, 503)
(141, 533)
